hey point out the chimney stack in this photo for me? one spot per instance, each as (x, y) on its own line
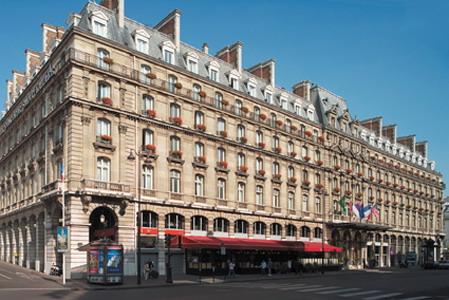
(302, 89)
(266, 71)
(171, 26)
(232, 54)
(205, 48)
(118, 6)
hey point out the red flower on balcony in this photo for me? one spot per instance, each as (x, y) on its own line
(263, 117)
(202, 159)
(293, 154)
(337, 190)
(245, 110)
(320, 139)
(319, 186)
(292, 180)
(380, 180)
(306, 158)
(359, 195)
(243, 139)
(106, 101)
(108, 60)
(359, 174)
(176, 120)
(151, 75)
(278, 149)
(371, 198)
(277, 176)
(176, 153)
(308, 133)
(306, 183)
(243, 169)
(151, 113)
(279, 123)
(348, 171)
(202, 94)
(106, 137)
(293, 128)
(319, 162)
(337, 167)
(261, 145)
(151, 147)
(223, 164)
(261, 172)
(178, 85)
(348, 193)
(200, 127)
(402, 187)
(371, 178)
(223, 134)
(225, 102)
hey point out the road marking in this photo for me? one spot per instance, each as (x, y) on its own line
(339, 291)
(417, 298)
(383, 296)
(292, 287)
(4, 276)
(33, 289)
(318, 289)
(360, 293)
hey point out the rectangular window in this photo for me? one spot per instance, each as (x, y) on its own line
(269, 97)
(142, 46)
(192, 66)
(99, 28)
(213, 74)
(251, 90)
(168, 56)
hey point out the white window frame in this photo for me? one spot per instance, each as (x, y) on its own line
(175, 181)
(142, 38)
(103, 169)
(98, 17)
(168, 48)
(199, 185)
(147, 177)
(212, 67)
(241, 188)
(192, 62)
(221, 188)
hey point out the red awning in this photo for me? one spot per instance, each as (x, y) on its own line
(198, 242)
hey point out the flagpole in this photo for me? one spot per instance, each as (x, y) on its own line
(63, 222)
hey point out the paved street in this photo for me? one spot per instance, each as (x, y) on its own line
(16, 283)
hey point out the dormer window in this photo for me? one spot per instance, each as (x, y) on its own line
(251, 90)
(310, 112)
(269, 97)
(168, 52)
(99, 23)
(192, 62)
(284, 103)
(213, 69)
(142, 40)
(298, 109)
(234, 79)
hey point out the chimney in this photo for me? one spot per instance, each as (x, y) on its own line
(51, 37)
(421, 148)
(407, 141)
(302, 89)
(232, 54)
(373, 124)
(73, 20)
(389, 132)
(171, 26)
(265, 70)
(118, 6)
(205, 48)
(33, 60)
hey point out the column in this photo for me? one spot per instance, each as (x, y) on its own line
(49, 244)
(381, 253)
(2, 245)
(161, 253)
(27, 245)
(20, 246)
(37, 261)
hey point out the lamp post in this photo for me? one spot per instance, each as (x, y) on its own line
(132, 156)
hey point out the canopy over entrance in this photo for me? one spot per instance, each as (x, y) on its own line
(360, 226)
(199, 242)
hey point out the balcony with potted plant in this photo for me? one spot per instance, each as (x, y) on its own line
(306, 158)
(278, 150)
(293, 154)
(104, 141)
(291, 181)
(222, 166)
(176, 120)
(260, 175)
(200, 127)
(106, 101)
(242, 171)
(276, 178)
(151, 113)
(305, 184)
(175, 156)
(319, 187)
(336, 191)
(243, 139)
(149, 151)
(261, 145)
(223, 133)
(319, 163)
(200, 162)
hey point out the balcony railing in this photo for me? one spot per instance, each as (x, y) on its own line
(95, 184)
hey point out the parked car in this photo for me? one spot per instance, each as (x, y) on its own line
(443, 264)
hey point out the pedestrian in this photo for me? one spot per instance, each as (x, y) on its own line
(269, 266)
(364, 264)
(263, 266)
(289, 265)
(148, 268)
(296, 266)
(231, 269)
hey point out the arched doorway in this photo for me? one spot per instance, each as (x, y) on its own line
(103, 224)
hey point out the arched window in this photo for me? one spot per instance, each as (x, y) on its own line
(273, 119)
(305, 202)
(175, 143)
(318, 207)
(147, 177)
(276, 198)
(238, 107)
(290, 172)
(147, 137)
(147, 103)
(172, 80)
(256, 113)
(199, 120)
(104, 92)
(276, 169)
(221, 155)
(175, 181)
(196, 90)
(221, 126)
(275, 143)
(144, 71)
(259, 165)
(199, 223)
(102, 59)
(241, 188)
(221, 225)
(305, 232)
(221, 189)
(291, 200)
(291, 230)
(103, 128)
(175, 110)
(276, 229)
(259, 228)
(218, 100)
(149, 219)
(241, 226)
(317, 155)
(199, 151)
(304, 152)
(305, 175)
(290, 148)
(199, 185)
(259, 138)
(241, 133)
(174, 221)
(241, 162)
(317, 232)
(259, 195)
(103, 169)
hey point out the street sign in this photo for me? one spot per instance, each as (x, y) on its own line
(62, 240)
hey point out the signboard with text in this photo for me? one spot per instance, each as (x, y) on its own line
(62, 240)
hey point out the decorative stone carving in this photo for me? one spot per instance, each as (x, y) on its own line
(85, 201)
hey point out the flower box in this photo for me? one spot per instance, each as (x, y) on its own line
(306, 158)
(359, 195)
(380, 180)
(293, 154)
(319, 186)
(178, 85)
(320, 139)
(278, 149)
(200, 127)
(402, 187)
(359, 174)
(176, 120)
(243, 139)
(292, 180)
(151, 75)
(106, 138)
(225, 102)
(151, 113)
(176, 153)
(261, 172)
(306, 183)
(108, 60)
(348, 171)
(151, 147)
(337, 190)
(319, 162)
(293, 128)
(202, 94)
(223, 164)
(279, 123)
(277, 176)
(263, 117)
(371, 178)
(243, 169)
(106, 101)
(337, 167)
(308, 133)
(245, 110)
(348, 193)
(202, 159)
(223, 134)
(261, 145)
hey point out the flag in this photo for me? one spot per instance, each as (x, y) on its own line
(343, 204)
(355, 210)
(350, 207)
(367, 211)
(375, 211)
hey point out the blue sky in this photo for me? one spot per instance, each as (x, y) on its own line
(386, 58)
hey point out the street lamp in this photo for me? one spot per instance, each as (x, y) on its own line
(132, 156)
